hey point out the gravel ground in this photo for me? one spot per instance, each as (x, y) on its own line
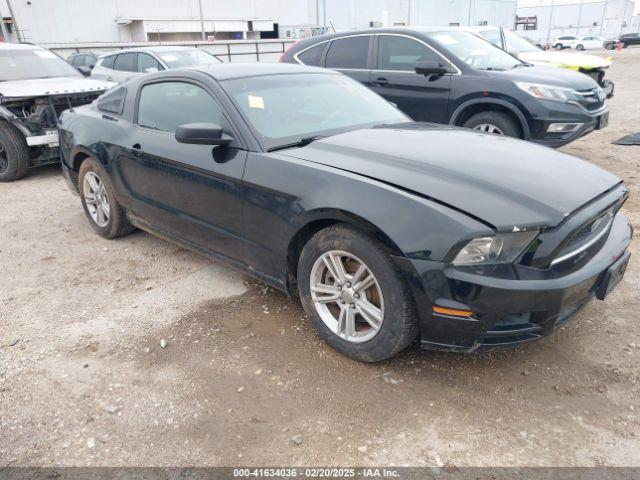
(242, 378)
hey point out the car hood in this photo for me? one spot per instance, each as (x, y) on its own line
(565, 60)
(547, 75)
(510, 184)
(42, 87)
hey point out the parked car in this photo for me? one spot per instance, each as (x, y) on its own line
(592, 42)
(386, 229)
(84, 61)
(565, 41)
(125, 64)
(446, 75)
(629, 39)
(522, 48)
(35, 86)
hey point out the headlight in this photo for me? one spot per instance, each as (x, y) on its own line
(548, 92)
(502, 248)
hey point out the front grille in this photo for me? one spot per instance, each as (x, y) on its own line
(592, 99)
(587, 235)
(64, 102)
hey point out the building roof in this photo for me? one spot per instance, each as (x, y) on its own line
(19, 46)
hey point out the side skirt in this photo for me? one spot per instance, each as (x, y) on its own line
(242, 267)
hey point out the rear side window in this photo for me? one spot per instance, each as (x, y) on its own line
(107, 62)
(113, 101)
(313, 55)
(89, 61)
(348, 52)
(402, 53)
(77, 60)
(126, 62)
(167, 105)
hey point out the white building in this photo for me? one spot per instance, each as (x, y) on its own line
(605, 18)
(77, 21)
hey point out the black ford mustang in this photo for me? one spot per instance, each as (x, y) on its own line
(387, 229)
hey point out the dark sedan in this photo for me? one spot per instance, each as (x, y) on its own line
(446, 75)
(387, 229)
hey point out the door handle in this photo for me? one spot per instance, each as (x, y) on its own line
(381, 82)
(110, 79)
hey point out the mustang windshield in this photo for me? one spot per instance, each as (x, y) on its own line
(23, 64)
(287, 109)
(475, 51)
(188, 58)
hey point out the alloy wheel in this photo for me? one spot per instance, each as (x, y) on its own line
(347, 296)
(4, 159)
(96, 199)
(489, 128)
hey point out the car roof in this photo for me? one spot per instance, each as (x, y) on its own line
(227, 71)
(154, 49)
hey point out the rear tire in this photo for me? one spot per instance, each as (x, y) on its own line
(498, 123)
(14, 153)
(341, 309)
(580, 48)
(105, 214)
(558, 46)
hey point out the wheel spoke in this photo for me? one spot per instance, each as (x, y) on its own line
(370, 313)
(105, 210)
(99, 215)
(93, 184)
(325, 293)
(347, 322)
(333, 261)
(364, 284)
(90, 199)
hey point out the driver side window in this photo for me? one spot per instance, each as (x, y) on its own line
(165, 106)
(402, 53)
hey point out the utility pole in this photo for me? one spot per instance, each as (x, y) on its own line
(204, 37)
(3, 28)
(623, 17)
(324, 13)
(469, 17)
(579, 18)
(409, 13)
(604, 11)
(15, 21)
(550, 22)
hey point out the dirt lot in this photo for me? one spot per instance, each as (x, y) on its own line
(84, 380)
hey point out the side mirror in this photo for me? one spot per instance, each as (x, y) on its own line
(430, 67)
(202, 134)
(150, 70)
(84, 70)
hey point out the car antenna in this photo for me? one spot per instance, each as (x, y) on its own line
(69, 103)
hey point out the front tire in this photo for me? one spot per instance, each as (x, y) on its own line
(558, 46)
(14, 154)
(105, 214)
(355, 295)
(580, 48)
(498, 123)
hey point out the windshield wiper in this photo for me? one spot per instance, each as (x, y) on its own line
(492, 69)
(523, 64)
(300, 143)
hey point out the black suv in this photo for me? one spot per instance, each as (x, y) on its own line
(445, 75)
(629, 39)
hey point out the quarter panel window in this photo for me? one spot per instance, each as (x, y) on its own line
(348, 52)
(108, 62)
(402, 53)
(147, 61)
(126, 62)
(167, 105)
(312, 56)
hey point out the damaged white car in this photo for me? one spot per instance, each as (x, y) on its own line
(36, 85)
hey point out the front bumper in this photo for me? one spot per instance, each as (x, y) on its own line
(507, 311)
(545, 113)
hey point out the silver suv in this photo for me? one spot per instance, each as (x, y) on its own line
(125, 64)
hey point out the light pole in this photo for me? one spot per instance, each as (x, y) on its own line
(201, 21)
(3, 29)
(550, 21)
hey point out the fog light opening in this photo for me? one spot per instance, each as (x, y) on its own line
(563, 127)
